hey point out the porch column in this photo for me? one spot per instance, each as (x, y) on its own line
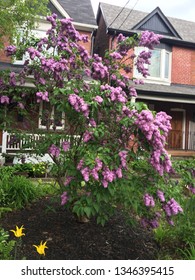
(4, 142)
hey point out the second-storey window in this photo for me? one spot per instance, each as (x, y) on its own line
(160, 64)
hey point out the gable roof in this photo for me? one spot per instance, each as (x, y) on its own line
(156, 21)
(130, 21)
(79, 11)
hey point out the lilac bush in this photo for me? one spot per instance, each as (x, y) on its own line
(94, 151)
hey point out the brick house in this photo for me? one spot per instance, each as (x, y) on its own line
(84, 22)
(171, 84)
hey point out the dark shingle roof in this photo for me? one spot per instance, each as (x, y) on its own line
(79, 11)
(129, 18)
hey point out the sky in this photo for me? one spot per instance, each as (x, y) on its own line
(183, 9)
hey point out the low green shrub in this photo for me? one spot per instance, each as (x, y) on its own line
(16, 192)
(6, 245)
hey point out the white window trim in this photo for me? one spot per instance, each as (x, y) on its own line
(157, 80)
(40, 126)
(39, 34)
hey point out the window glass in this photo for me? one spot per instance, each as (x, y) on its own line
(167, 62)
(154, 67)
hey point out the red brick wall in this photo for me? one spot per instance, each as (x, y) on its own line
(3, 57)
(102, 39)
(183, 66)
(89, 43)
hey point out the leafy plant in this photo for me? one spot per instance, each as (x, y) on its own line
(16, 192)
(6, 246)
(188, 253)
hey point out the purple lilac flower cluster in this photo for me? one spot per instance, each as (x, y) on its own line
(149, 39)
(87, 136)
(98, 99)
(10, 50)
(33, 53)
(151, 223)
(12, 80)
(54, 151)
(192, 189)
(141, 62)
(68, 180)
(172, 208)
(66, 146)
(132, 92)
(4, 99)
(100, 170)
(148, 200)
(79, 104)
(116, 94)
(156, 131)
(64, 198)
(99, 71)
(42, 96)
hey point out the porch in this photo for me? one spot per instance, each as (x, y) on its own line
(179, 144)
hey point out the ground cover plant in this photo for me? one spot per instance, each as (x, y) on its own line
(110, 154)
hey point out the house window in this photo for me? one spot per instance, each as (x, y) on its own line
(160, 67)
(20, 59)
(50, 117)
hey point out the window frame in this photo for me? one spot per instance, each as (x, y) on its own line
(41, 126)
(162, 77)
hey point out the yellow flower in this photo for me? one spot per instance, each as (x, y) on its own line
(41, 248)
(18, 232)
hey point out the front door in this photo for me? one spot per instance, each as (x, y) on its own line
(175, 139)
(0, 137)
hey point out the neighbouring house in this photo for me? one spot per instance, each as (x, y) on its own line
(171, 84)
(84, 22)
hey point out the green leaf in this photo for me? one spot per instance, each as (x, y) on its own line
(87, 211)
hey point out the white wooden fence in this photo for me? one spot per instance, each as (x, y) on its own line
(11, 143)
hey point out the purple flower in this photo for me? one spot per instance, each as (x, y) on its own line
(149, 200)
(54, 151)
(92, 122)
(149, 39)
(172, 208)
(98, 99)
(119, 173)
(133, 92)
(123, 158)
(80, 164)
(10, 50)
(78, 104)
(68, 180)
(4, 99)
(12, 80)
(160, 195)
(94, 173)
(99, 164)
(21, 105)
(85, 173)
(64, 198)
(88, 135)
(42, 96)
(66, 146)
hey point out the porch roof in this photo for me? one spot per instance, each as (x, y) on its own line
(170, 93)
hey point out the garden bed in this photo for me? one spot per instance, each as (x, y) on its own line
(69, 239)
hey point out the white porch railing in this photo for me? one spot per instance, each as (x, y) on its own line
(11, 143)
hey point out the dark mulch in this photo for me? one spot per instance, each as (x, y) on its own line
(69, 239)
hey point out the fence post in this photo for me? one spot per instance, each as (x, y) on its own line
(4, 142)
